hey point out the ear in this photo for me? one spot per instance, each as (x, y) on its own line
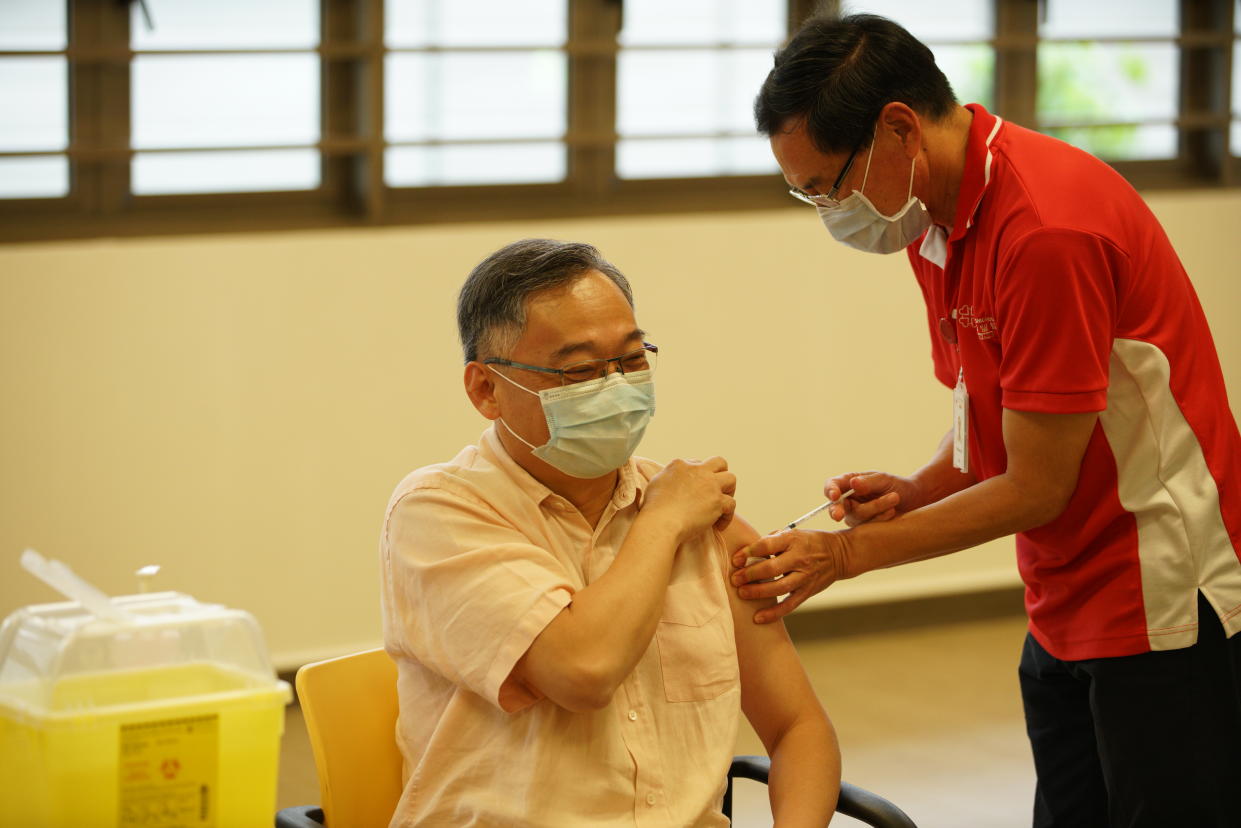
(900, 120)
(481, 389)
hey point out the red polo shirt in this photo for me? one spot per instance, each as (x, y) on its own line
(1064, 296)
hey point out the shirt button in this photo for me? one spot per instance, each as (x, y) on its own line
(650, 799)
(633, 715)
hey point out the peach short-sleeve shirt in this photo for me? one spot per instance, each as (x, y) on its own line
(477, 557)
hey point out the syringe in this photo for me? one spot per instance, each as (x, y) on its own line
(793, 524)
(816, 510)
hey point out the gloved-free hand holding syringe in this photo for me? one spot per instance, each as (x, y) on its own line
(795, 523)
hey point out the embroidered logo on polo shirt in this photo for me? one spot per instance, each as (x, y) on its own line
(984, 326)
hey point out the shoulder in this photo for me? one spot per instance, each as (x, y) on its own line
(446, 509)
(465, 477)
(1042, 161)
(645, 468)
(1043, 182)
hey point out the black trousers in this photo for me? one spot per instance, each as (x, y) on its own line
(1145, 740)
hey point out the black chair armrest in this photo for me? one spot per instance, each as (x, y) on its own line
(300, 816)
(750, 767)
(855, 802)
(871, 808)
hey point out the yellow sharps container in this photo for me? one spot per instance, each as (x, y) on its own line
(166, 714)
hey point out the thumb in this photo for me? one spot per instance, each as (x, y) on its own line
(762, 548)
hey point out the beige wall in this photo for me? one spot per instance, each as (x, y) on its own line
(238, 408)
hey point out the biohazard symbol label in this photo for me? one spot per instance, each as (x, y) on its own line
(168, 773)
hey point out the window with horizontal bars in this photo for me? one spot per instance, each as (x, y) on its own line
(34, 97)
(182, 116)
(224, 97)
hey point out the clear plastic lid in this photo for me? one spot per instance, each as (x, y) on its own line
(61, 657)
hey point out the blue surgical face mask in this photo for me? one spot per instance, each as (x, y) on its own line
(593, 427)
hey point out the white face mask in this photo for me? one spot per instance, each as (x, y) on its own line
(859, 225)
(593, 427)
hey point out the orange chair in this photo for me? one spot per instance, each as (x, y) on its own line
(350, 707)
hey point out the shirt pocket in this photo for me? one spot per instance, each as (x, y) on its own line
(697, 654)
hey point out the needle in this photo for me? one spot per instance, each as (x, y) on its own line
(792, 525)
(818, 509)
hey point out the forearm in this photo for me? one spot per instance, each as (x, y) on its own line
(805, 773)
(616, 616)
(938, 478)
(991, 509)
(595, 642)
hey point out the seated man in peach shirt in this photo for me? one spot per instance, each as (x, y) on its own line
(568, 651)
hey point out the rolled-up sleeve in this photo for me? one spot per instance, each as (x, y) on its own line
(465, 592)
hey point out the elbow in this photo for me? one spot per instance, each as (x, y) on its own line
(572, 675)
(1048, 504)
(589, 703)
(587, 688)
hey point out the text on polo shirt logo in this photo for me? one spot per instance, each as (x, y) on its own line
(984, 326)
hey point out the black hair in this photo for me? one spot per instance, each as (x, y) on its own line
(837, 73)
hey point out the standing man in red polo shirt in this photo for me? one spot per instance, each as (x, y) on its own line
(1089, 417)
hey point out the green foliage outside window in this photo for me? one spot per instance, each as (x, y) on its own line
(1086, 82)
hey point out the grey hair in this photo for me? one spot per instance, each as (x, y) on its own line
(491, 308)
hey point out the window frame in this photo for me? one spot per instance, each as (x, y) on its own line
(1204, 45)
(353, 192)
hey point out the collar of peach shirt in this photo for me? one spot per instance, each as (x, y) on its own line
(629, 487)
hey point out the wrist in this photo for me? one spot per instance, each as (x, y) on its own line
(661, 526)
(916, 486)
(848, 552)
(932, 483)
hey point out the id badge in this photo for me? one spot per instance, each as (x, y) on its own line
(961, 425)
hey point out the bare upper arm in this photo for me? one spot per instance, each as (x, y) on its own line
(1045, 452)
(775, 690)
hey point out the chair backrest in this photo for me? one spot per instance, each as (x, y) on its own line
(350, 708)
